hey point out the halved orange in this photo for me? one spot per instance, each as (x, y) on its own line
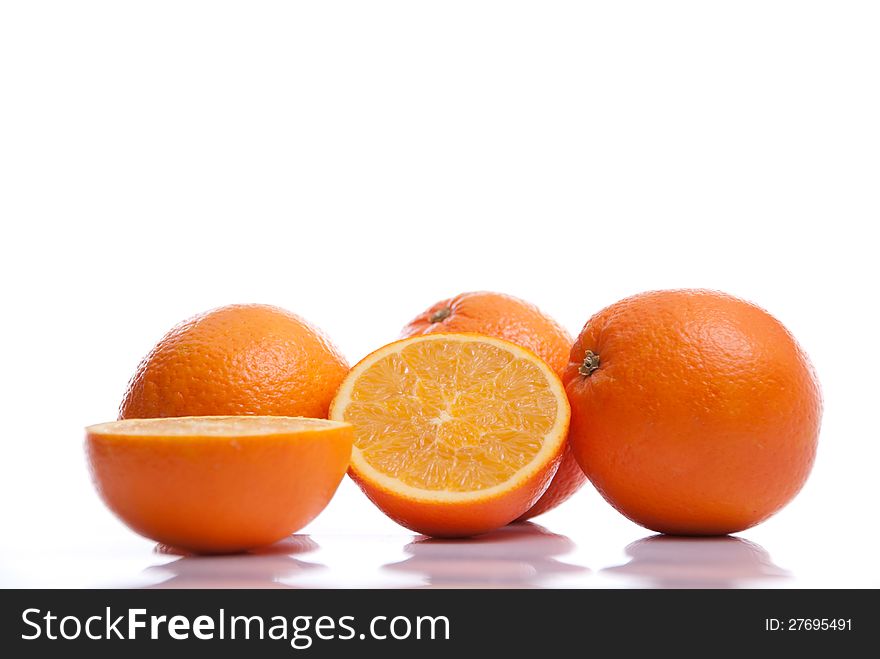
(454, 434)
(218, 484)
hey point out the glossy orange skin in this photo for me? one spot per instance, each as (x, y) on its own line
(219, 494)
(509, 318)
(240, 359)
(569, 479)
(460, 519)
(703, 415)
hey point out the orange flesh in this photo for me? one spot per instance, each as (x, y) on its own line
(451, 416)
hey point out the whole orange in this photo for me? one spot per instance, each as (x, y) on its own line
(511, 319)
(693, 412)
(240, 359)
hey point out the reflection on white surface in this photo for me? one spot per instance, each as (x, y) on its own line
(516, 556)
(672, 562)
(272, 567)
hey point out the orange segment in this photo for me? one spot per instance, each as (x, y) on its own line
(218, 484)
(455, 434)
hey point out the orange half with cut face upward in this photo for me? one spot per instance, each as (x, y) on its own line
(218, 484)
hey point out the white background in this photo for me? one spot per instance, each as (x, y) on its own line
(357, 161)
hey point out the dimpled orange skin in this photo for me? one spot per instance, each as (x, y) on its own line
(703, 415)
(238, 359)
(456, 520)
(509, 318)
(218, 494)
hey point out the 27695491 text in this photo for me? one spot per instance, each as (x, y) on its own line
(807, 624)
